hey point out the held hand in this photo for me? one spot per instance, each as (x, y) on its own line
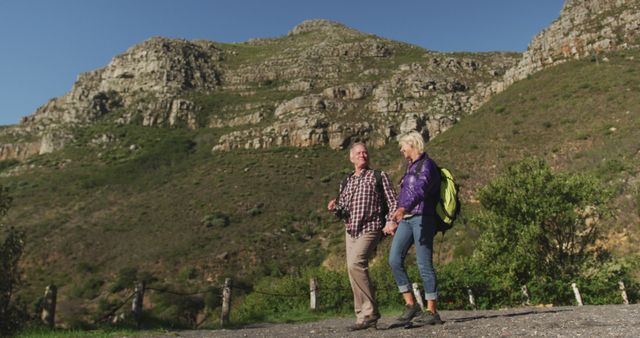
(331, 205)
(390, 228)
(397, 216)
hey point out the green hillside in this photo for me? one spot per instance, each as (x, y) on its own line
(581, 116)
(157, 200)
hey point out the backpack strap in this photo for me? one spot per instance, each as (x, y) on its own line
(419, 165)
(343, 185)
(379, 187)
(384, 207)
(418, 168)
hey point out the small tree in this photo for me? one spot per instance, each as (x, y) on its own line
(546, 222)
(11, 246)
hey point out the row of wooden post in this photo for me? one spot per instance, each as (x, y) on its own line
(50, 295)
(574, 287)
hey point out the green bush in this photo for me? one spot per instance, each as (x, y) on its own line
(254, 212)
(500, 109)
(12, 315)
(187, 273)
(177, 310)
(539, 223)
(6, 164)
(273, 297)
(216, 220)
(88, 289)
(125, 279)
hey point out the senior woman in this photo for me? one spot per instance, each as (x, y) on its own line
(415, 225)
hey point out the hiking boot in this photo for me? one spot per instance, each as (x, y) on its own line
(410, 311)
(369, 322)
(428, 318)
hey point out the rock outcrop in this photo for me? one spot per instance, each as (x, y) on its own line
(585, 29)
(147, 77)
(19, 151)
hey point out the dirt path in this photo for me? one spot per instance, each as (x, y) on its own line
(584, 321)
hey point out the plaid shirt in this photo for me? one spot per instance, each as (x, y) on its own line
(360, 197)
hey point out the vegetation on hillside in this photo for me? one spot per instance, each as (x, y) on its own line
(158, 201)
(12, 314)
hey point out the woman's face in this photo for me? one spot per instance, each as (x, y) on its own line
(407, 151)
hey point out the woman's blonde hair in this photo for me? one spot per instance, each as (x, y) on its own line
(414, 139)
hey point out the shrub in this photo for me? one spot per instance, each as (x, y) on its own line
(216, 219)
(125, 280)
(584, 135)
(540, 223)
(6, 164)
(89, 289)
(254, 212)
(187, 273)
(178, 311)
(540, 230)
(12, 315)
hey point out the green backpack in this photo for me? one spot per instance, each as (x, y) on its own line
(448, 204)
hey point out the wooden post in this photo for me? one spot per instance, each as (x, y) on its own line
(418, 295)
(226, 301)
(313, 287)
(48, 315)
(525, 293)
(136, 304)
(576, 292)
(472, 300)
(623, 291)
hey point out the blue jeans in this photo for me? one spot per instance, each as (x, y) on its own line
(420, 231)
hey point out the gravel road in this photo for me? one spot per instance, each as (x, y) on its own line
(583, 321)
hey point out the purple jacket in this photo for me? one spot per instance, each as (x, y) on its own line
(415, 186)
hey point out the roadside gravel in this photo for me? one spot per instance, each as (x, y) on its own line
(583, 321)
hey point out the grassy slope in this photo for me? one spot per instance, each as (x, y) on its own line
(582, 116)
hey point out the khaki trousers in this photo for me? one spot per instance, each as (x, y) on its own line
(359, 251)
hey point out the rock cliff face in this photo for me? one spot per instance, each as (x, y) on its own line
(584, 29)
(323, 83)
(156, 70)
(19, 151)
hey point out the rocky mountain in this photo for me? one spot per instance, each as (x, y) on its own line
(323, 83)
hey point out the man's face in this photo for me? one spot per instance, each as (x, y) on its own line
(359, 156)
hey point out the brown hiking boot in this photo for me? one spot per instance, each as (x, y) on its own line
(369, 322)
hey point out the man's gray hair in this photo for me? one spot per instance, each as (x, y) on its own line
(414, 139)
(358, 144)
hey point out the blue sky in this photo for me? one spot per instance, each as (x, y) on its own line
(45, 44)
